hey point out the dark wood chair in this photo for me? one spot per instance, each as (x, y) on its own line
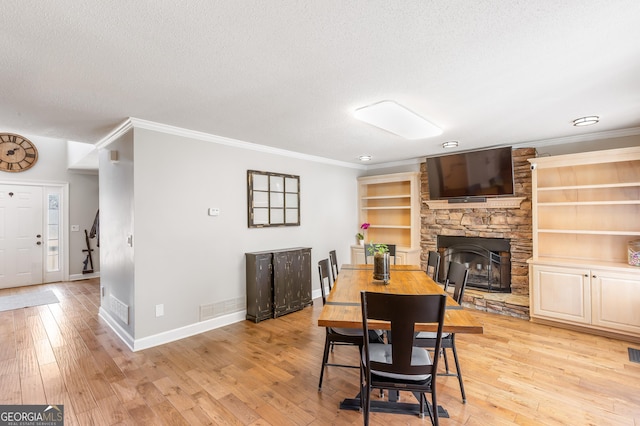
(433, 265)
(335, 336)
(457, 276)
(333, 259)
(400, 365)
(367, 249)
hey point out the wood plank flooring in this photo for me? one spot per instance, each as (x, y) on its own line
(517, 373)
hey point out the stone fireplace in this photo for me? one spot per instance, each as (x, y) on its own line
(500, 219)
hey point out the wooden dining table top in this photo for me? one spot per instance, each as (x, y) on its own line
(342, 309)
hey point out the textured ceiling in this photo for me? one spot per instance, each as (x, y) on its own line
(288, 74)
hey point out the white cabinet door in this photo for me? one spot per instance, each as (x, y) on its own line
(561, 293)
(616, 300)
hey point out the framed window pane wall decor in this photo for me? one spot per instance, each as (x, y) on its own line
(273, 199)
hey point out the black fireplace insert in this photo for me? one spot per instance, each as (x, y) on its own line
(488, 260)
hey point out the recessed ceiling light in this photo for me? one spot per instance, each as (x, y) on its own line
(395, 118)
(450, 144)
(586, 121)
(364, 158)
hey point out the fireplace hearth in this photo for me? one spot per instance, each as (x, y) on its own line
(488, 260)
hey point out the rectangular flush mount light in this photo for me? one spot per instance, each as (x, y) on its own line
(394, 118)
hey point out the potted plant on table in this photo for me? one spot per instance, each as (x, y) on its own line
(360, 235)
(381, 261)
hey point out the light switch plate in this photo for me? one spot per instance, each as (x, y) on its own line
(75, 228)
(214, 211)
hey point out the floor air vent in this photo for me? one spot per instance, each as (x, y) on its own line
(634, 355)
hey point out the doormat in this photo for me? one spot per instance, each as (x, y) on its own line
(19, 301)
(634, 355)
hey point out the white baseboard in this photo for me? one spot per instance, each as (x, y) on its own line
(188, 330)
(77, 277)
(178, 333)
(171, 335)
(117, 328)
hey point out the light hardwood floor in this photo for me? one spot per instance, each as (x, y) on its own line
(267, 373)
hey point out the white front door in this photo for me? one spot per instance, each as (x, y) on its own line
(21, 235)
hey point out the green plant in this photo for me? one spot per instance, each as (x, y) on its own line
(360, 236)
(377, 249)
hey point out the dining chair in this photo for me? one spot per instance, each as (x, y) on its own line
(457, 276)
(333, 336)
(400, 365)
(368, 248)
(333, 259)
(433, 265)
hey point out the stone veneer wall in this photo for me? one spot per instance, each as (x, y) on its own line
(514, 224)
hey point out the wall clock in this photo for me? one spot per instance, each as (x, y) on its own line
(17, 153)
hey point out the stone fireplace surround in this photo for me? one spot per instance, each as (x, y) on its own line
(513, 223)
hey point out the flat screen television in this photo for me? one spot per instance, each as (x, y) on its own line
(475, 174)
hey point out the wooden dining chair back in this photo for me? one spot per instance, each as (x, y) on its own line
(333, 259)
(368, 251)
(401, 365)
(433, 265)
(457, 276)
(334, 336)
(325, 279)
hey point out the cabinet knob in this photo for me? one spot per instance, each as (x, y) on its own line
(586, 275)
(594, 276)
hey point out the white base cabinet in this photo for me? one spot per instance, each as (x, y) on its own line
(404, 256)
(599, 299)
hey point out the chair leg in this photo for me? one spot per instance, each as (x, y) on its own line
(455, 358)
(446, 361)
(325, 357)
(433, 413)
(365, 395)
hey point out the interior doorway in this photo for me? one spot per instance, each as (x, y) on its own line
(32, 243)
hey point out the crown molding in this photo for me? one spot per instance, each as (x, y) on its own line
(132, 123)
(609, 134)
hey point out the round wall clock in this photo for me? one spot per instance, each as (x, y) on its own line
(17, 153)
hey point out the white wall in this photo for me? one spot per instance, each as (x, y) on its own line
(116, 224)
(183, 258)
(83, 195)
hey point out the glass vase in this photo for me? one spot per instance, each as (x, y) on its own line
(381, 267)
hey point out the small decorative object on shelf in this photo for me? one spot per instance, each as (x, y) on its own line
(360, 235)
(634, 253)
(381, 262)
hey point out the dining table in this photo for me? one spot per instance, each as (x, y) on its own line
(342, 310)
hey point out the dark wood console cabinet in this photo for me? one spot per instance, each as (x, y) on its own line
(278, 282)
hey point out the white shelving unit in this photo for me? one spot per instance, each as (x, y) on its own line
(586, 209)
(391, 204)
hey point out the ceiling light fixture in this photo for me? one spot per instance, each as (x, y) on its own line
(450, 144)
(586, 121)
(395, 118)
(364, 158)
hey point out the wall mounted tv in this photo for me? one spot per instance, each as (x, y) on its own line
(471, 176)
